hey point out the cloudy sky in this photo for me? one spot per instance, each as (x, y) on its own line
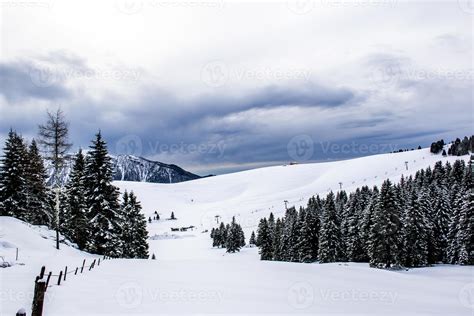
(219, 86)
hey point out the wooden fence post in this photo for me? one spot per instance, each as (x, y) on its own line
(47, 280)
(92, 265)
(38, 300)
(98, 262)
(76, 271)
(60, 277)
(65, 273)
(83, 264)
(43, 268)
(21, 312)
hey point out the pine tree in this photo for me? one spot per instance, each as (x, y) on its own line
(135, 222)
(457, 194)
(127, 230)
(309, 237)
(241, 236)
(221, 236)
(457, 172)
(76, 191)
(330, 239)
(465, 232)
(277, 242)
(252, 240)
(384, 238)
(289, 236)
(265, 245)
(442, 220)
(427, 209)
(415, 234)
(38, 206)
(465, 236)
(234, 237)
(340, 201)
(355, 248)
(271, 228)
(13, 182)
(102, 202)
(215, 237)
(296, 237)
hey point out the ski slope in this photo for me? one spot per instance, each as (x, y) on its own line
(253, 194)
(191, 277)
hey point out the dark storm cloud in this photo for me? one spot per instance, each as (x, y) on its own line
(23, 80)
(370, 122)
(169, 110)
(163, 119)
(44, 77)
(240, 120)
(305, 95)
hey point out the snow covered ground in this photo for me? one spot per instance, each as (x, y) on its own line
(253, 194)
(190, 277)
(36, 248)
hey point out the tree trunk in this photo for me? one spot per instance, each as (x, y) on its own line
(57, 218)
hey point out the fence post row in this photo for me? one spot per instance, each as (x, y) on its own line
(41, 286)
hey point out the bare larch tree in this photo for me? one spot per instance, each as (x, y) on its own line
(55, 143)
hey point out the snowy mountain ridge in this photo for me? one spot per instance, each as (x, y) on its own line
(133, 168)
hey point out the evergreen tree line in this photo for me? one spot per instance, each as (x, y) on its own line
(422, 220)
(230, 236)
(91, 214)
(457, 148)
(461, 147)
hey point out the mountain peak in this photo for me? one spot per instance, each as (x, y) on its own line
(139, 169)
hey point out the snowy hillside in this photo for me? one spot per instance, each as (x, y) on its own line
(36, 248)
(253, 194)
(191, 277)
